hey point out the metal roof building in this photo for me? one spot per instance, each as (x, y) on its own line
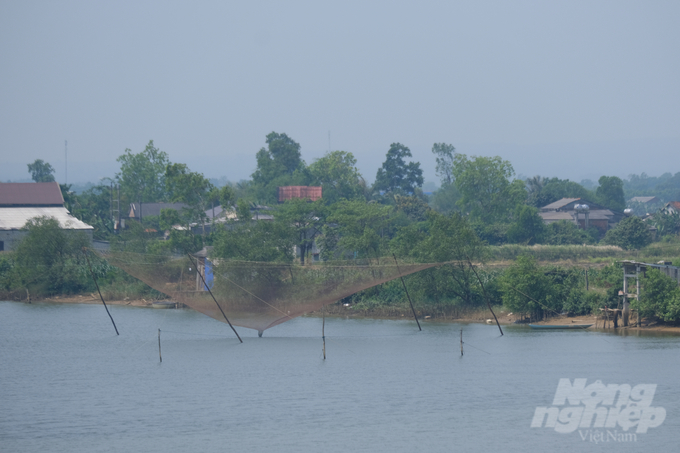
(20, 202)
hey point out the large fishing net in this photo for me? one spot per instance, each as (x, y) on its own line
(253, 294)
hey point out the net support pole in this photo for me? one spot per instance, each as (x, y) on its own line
(461, 342)
(407, 294)
(486, 296)
(213, 297)
(159, 346)
(100, 293)
(323, 330)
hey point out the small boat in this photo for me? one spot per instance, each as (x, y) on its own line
(163, 304)
(560, 326)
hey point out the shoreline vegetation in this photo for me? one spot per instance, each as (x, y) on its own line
(403, 312)
(485, 228)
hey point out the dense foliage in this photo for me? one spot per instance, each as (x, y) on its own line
(481, 212)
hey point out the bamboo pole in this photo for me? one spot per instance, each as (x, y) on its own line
(213, 297)
(323, 330)
(100, 293)
(407, 294)
(461, 342)
(159, 346)
(486, 296)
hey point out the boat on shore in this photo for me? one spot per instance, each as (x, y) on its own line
(163, 304)
(560, 326)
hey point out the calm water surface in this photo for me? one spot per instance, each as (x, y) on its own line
(68, 383)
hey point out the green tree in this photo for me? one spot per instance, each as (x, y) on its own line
(142, 175)
(666, 222)
(526, 289)
(450, 239)
(362, 228)
(305, 219)
(190, 188)
(629, 233)
(337, 174)
(660, 297)
(254, 241)
(445, 200)
(41, 171)
(413, 207)
(396, 175)
(528, 227)
(50, 259)
(445, 158)
(543, 191)
(565, 232)
(610, 193)
(280, 164)
(485, 187)
(95, 209)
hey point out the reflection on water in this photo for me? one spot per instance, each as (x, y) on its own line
(70, 384)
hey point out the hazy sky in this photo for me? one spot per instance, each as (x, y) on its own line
(574, 89)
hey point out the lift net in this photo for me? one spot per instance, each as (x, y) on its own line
(257, 295)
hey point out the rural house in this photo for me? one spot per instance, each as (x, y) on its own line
(570, 209)
(136, 212)
(21, 201)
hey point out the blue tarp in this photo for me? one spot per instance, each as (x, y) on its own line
(208, 276)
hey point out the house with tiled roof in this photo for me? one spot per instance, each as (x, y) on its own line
(22, 201)
(595, 215)
(672, 207)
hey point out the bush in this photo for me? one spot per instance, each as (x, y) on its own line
(50, 260)
(660, 297)
(630, 233)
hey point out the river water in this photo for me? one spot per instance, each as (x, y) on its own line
(68, 383)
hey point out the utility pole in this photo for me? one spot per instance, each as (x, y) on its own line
(66, 161)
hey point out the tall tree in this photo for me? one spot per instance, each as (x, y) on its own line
(190, 188)
(280, 164)
(485, 187)
(543, 191)
(41, 171)
(396, 175)
(337, 174)
(610, 193)
(445, 157)
(444, 239)
(361, 227)
(305, 219)
(142, 175)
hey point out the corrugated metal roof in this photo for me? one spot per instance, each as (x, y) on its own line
(556, 215)
(644, 199)
(555, 205)
(30, 194)
(16, 218)
(599, 214)
(153, 208)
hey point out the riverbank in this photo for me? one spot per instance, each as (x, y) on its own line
(481, 315)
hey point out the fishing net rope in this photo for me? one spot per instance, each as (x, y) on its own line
(256, 295)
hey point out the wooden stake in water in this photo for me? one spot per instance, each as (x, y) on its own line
(461, 342)
(159, 346)
(100, 293)
(323, 330)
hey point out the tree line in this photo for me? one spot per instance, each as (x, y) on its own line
(480, 203)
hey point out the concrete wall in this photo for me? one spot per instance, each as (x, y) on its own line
(11, 238)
